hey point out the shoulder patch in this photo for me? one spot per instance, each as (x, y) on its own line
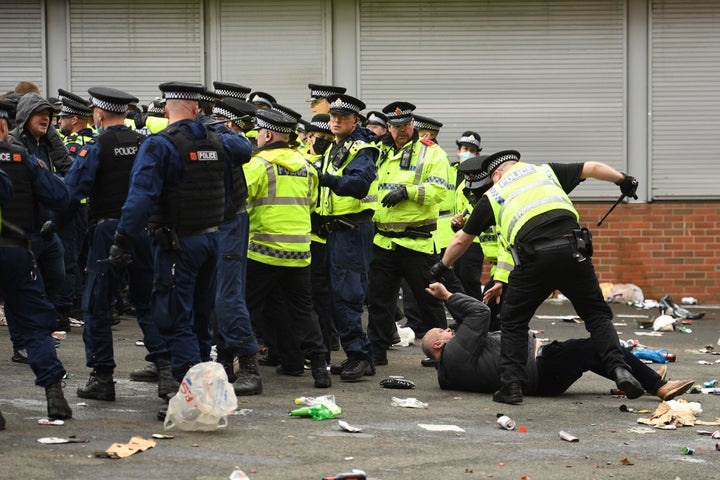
(427, 142)
(73, 149)
(83, 153)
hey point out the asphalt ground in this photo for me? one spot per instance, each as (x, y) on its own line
(265, 443)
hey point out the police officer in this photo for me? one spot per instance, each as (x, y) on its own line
(347, 205)
(282, 190)
(377, 123)
(74, 118)
(235, 336)
(234, 90)
(101, 173)
(178, 177)
(412, 182)
(319, 97)
(531, 209)
(30, 316)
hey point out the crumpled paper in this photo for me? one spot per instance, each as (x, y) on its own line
(122, 450)
(673, 412)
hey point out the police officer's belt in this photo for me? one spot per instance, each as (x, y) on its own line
(419, 232)
(545, 244)
(192, 233)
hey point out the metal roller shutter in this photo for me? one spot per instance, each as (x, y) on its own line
(135, 45)
(276, 47)
(685, 99)
(544, 77)
(21, 52)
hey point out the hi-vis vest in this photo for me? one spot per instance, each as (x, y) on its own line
(444, 233)
(282, 189)
(524, 192)
(425, 178)
(332, 204)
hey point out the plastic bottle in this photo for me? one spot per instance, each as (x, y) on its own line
(656, 356)
(317, 412)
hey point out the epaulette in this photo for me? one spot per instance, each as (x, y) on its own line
(427, 142)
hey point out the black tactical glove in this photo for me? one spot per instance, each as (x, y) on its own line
(628, 186)
(327, 180)
(48, 230)
(438, 271)
(119, 255)
(394, 197)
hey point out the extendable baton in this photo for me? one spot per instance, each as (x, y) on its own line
(622, 196)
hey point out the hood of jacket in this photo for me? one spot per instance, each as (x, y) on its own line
(27, 105)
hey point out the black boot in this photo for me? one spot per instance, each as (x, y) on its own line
(627, 383)
(319, 371)
(100, 386)
(167, 385)
(249, 381)
(511, 394)
(148, 373)
(57, 406)
(227, 360)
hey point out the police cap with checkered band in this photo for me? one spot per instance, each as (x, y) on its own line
(225, 89)
(399, 113)
(345, 104)
(71, 107)
(261, 98)
(111, 99)
(238, 111)
(318, 92)
(320, 123)
(492, 162)
(274, 120)
(469, 139)
(427, 123)
(472, 170)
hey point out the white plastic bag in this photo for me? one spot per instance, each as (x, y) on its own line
(407, 335)
(204, 400)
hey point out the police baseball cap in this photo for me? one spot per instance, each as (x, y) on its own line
(427, 123)
(472, 171)
(71, 107)
(320, 123)
(225, 89)
(111, 99)
(274, 120)
(399, 113)
(262, 98)
(492, 162)
(469, 139)
(240, 112)
(182, 90)
(345, 104)
(318, 92)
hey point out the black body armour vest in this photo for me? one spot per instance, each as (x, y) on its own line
(22, 210)
(239, 193)
(198, 201)
(110, 190)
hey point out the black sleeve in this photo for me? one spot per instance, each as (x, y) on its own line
(568, 174)
(481, 218)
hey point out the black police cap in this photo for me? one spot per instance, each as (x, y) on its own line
(64, 94)
(262, 98)
(287, 111)
(182, 90)
(111, 99)
(469, 139)
(492, 162)
(323, 91)
(427, 123)
(226, 89)
(274, 120)
(399, 113)
(345, 104)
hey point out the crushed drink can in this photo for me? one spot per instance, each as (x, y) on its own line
(506, 422)
(567, 437)
(688, 451)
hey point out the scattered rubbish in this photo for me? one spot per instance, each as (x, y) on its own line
(397, 383)
(566, 318)
(688, 301)
(616, 392)
(58, 440)
(641, 430)
(683, 329)
(673, 412)
(316, 412)
(666, 427)
(410, 402)
(655, 356)
(625, 408)
(440, 428)
(704, 432)
(238, 475)
(704, 362)
(355, 474)
(348, 428)
(688, 451)
(204, 400)
(522, 429)
(505, 422)
(139, 343)
(710, 383)
(630, 343)
(163, 436)
(407, 335)
(318, 408)
(667, 307)
(715, 434)
(567, 437)
(626, 461)
(649, 334)
(622, 293)
(242, 411)
(122, 450)
(47, 421)
(664, 323)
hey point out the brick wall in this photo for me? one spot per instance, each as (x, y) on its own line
(662, 247)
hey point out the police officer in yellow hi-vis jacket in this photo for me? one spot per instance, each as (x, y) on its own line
(282, 190)
(530, 207)
(412, 182)
(347, 203)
